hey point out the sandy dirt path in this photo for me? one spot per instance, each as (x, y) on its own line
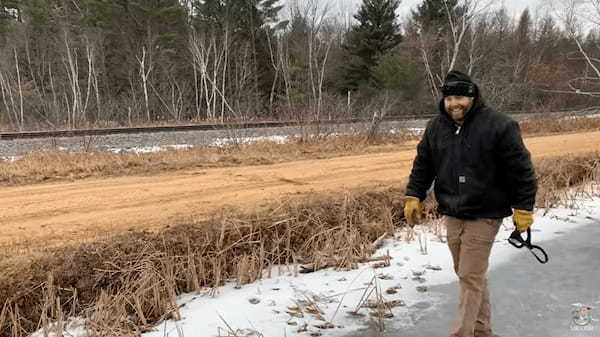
(59, 213)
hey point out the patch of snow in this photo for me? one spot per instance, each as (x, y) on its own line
(72, 327)
(248, 140)
(150, 149)
(10, 159)
(415, 131)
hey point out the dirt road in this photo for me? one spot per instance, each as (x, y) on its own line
(58, 213)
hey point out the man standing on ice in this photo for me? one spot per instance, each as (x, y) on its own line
(483, 173)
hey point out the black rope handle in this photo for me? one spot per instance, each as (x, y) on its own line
(517, 240)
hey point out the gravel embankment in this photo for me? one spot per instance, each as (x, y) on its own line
(149, 142)
(153, 142)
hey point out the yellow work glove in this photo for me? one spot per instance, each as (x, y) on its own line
(523, 219)
(413, 210)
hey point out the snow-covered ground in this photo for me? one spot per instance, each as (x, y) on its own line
(321, 302)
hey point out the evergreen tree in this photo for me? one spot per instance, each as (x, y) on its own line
(395, 71)
(248, 20)
(524, 28)
(431, 27)
(244, 14)
(521, 48)
(377, 32)
(296, 42)
(432, 13)
(126, 27)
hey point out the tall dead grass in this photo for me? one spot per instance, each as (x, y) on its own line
(544, 124)
(127, 284)
(562, 181)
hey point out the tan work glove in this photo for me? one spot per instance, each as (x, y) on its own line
(413, 210)
(523, 219)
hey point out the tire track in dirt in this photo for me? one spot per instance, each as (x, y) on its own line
(63, 212)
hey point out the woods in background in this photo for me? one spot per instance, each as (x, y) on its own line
(124, 62)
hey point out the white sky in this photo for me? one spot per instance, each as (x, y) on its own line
(514, 7)
(586, 17)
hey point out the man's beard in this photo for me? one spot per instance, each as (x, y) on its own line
(457, 113)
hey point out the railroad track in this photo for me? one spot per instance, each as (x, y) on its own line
(190, 127)
(244, 125)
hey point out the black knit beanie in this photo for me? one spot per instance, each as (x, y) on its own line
(459, 84)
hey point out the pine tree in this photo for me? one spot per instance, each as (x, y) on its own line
(396, 71)
(245, 14)
(524, 28)
(129, 26)
(377, 32)
(248, 20)
(432, 13)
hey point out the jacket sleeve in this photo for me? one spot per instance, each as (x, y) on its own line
(516, 161)
(423, 171)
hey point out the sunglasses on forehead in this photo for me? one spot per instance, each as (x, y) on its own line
(458, 88)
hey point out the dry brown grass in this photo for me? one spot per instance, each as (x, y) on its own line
(543, 125)
(562, 181)
(40, 167)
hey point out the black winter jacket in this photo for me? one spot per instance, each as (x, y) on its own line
(481, 169)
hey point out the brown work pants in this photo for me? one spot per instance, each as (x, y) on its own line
(470, 242)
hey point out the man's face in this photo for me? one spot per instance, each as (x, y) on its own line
(457, 106)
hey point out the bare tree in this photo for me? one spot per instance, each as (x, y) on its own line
(311, 53)
(573, 14)
(460, 21)
(145, 70)
(6, 88)
(21, 119)
(211, 59)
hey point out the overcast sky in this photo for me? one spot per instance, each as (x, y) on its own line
(514, 7)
